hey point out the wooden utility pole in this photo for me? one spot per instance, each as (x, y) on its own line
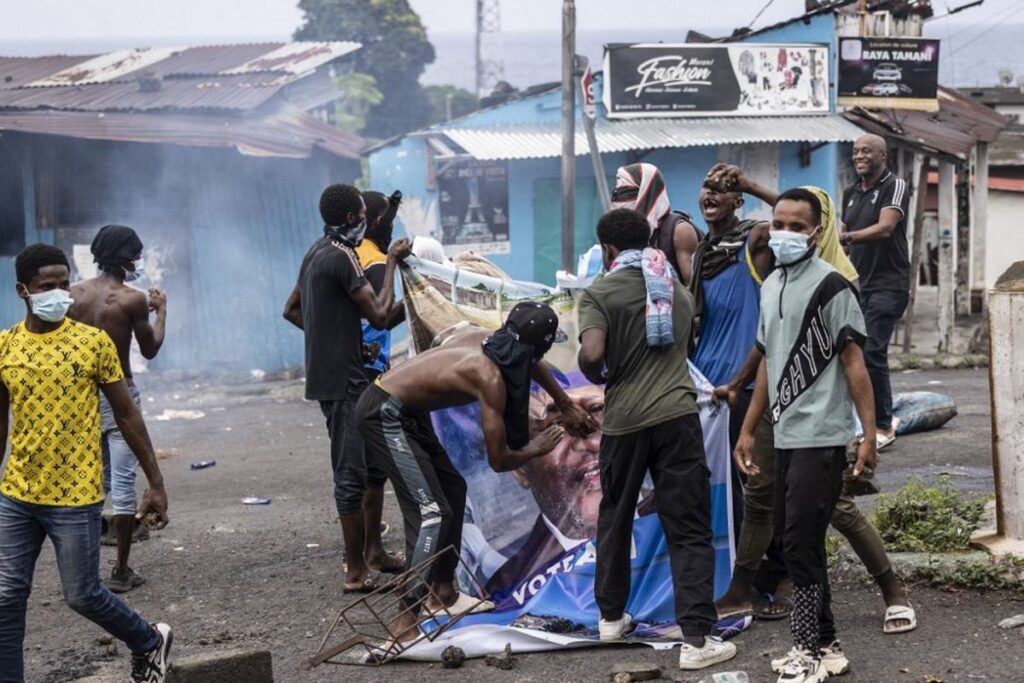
(963, 240)
(568, 134)
(947, 243)
(979, 227)
(922, 164)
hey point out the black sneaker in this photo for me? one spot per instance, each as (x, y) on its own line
(124, 581)
(151, 667)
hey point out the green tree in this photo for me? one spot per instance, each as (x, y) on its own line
(358, 95)
(463, 102)
(395, 52)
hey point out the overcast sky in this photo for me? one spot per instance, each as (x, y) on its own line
(54, 20)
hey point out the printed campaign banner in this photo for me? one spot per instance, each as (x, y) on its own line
(528, 536)
(697, 79)
(889, 73)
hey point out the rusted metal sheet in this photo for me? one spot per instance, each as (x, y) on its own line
(296, 58)
(953, 130)
(15, 72)
(105, 68)
(241, 92)
(286, 132)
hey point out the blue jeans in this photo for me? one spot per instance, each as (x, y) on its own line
(119, 463)
(882, 309)
(75, 533)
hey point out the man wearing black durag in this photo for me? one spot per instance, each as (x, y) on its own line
(107, 302)
(329, 301)
(394, 418)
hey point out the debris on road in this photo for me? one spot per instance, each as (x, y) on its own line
(251, 500)
(452, 657)
(202, 464)
(503, 661)
(1012, 622)
(105, 639)
(171, 414)
(634, 671)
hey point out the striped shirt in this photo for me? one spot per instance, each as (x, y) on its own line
(882, 264)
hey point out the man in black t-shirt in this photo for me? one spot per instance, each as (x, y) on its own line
(875, 230)
(328, 303)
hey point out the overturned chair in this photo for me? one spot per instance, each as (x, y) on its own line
(365, 625)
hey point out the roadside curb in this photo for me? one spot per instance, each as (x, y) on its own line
(943, 361)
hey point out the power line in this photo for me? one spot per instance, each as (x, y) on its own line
(994, 18)
(972, 41)
(758, 15)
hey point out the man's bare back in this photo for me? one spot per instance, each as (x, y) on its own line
(450, 375)
(120, 311)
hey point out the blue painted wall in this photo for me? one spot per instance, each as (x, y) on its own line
(403, 163)
(237, 228)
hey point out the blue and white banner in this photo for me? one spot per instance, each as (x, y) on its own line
(528, 536)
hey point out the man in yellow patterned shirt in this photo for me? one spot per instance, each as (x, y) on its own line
(51, 372)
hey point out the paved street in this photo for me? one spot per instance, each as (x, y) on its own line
(228, 575)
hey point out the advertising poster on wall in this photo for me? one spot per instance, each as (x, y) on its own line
(473, 201)
(694, 79)
(889, 73)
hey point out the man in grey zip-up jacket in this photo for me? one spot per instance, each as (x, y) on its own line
(811, 333)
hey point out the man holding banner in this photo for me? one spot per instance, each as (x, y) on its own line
(394, 419)
(634, 332)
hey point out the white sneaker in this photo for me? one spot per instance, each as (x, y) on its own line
(715, 651)
(615, 630)
(832, 659)
(151, 667)
(801, 667)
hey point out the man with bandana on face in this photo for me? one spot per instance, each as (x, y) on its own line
(107, 302)
(394, 419)
(328, 303)
(641, 187)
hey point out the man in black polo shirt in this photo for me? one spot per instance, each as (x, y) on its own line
(328, 303)
(875, 230)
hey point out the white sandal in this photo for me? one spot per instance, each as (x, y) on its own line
(899, 613)
(464, 604)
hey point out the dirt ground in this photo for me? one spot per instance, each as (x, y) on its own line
(227, 575)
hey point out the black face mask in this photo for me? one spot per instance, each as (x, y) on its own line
(349, 235)
(515, 359)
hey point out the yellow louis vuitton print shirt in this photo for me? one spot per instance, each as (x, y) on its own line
(53, 381)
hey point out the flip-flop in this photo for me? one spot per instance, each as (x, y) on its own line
(392, 565)
(883, 441)
(899, 613)
(464, 604)
(738, 612)
(764, 615)
(370, 584)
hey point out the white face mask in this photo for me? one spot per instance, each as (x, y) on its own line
(133, 275)
(51, 306)
(788, 247)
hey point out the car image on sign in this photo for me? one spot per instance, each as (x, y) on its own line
(886, 90)
(887, 71)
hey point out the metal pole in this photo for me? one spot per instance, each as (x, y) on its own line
(596, 161)
(568, 134)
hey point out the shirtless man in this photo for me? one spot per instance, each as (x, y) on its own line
(106, 302)
(394, 419)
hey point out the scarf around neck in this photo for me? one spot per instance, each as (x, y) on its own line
(658, 279)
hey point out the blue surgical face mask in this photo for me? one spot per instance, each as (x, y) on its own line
(788, 247)
(51, 306)
(133, 275)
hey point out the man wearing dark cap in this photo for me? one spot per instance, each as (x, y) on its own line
(107, 302)
(394, 419)
(634, 332)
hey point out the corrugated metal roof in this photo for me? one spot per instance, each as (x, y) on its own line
(240, 92)
(287, 132)
(296, 58)
(15, 72)
(545, 140)
(952, 130)
(105, 68)
(230, 77)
